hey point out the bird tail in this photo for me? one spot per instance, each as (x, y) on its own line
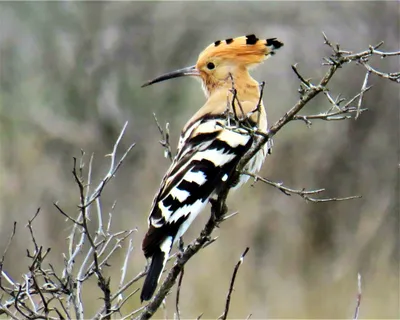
(153, 274)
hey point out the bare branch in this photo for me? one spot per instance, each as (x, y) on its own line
(114, 166)
(393, 76)
(228, 297)
(371, 51)
(29, 226)
(305, 194)
(33, 298)
(342, 114)
(165, 138)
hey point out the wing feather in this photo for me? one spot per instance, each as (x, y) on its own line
(206, 158)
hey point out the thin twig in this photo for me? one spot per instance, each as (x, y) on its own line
(29, 226)
(357, 311)
(178, 291)
(120, 304)
(125, 266)
(132, 313)
(393, 76)
(303, 81)
(363, 89)
(228, 297)
(211, 241)
(66, 215)
(228, 216)
(165, 138)
(120, 291)
(3, 257)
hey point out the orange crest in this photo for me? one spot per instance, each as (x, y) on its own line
(247, 50)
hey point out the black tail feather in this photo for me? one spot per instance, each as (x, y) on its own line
(153, 275)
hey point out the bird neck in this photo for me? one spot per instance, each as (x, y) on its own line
(239, 78)
(220, 97)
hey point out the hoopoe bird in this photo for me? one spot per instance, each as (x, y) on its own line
(209, 149)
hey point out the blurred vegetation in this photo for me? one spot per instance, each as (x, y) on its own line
(70, 76)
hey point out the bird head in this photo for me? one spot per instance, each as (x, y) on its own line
(225, 59)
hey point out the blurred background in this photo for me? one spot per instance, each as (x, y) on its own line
(70, 76)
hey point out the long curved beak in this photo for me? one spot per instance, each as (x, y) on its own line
(189, 71)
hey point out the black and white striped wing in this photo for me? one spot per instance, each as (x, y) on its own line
(208, 154)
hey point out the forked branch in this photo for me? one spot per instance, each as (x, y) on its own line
(303, 193)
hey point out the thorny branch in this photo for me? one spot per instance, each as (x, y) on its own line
(46, 293)
(308, 92)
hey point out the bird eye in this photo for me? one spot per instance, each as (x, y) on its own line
(210, 66)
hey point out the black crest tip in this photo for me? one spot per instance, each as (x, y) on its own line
(273, 42)
(251, 39)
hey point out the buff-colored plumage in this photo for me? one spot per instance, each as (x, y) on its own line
(210, 147)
